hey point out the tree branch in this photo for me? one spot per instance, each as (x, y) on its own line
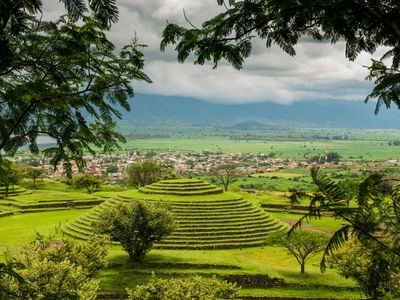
(391, 24)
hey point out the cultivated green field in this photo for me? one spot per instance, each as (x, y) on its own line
(349, 149)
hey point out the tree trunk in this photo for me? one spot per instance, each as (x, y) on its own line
(302, 265)
(134, 257)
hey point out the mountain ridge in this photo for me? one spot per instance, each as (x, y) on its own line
(153, 109)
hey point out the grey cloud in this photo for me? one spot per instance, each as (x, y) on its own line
(318, 71)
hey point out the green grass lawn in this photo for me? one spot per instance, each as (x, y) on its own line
(138, 195)
(325, 224)
(58, 186)
(273, 261)
(47, 195)
(21, 228)
(267, 197)
(309, 292)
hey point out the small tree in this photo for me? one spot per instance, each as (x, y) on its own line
(34, 173)
(112, 169)
(147, 172)
(186, 289)
(333, 157)
(136, 225)
(87, 181)
(226, 174)
(10, 175)
(303, 245)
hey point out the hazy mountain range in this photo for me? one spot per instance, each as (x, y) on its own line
(153, 109)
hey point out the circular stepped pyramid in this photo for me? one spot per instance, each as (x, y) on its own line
(206, 217)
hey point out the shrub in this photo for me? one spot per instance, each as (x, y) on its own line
(147, 172)
(87, 181)
(136, 225)
(194, 288)
(376, 272)
(56, 270)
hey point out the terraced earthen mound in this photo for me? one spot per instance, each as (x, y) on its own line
(206, 217)
(21, 200)
(13, 191)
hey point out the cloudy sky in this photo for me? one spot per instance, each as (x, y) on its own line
(318, 71)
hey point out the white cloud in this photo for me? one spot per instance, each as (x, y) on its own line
(318, 71)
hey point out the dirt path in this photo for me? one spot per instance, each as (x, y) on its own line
(305, 226)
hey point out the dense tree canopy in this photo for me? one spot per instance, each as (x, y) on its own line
(10, 175)
(16, 15)
(88, 182)
(363, 24)
(54, 269)
(64, 80)
(66, 83)
(376, 273)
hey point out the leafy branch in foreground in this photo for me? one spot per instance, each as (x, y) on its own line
(363, 25)
(66, 82)
(16, 15)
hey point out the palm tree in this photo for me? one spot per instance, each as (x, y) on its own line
(376, 217)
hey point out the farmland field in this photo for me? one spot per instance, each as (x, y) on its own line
(349, 150)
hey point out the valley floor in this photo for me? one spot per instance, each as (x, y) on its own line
(254, 263)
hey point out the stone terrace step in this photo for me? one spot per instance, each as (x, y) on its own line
(210, 191)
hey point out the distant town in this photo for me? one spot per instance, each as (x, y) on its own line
(112, 166)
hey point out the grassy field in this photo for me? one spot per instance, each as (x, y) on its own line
(273, 261)
(309, 292)
(348, 149)
(267, 260)
(324, 224)
(21, 228)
